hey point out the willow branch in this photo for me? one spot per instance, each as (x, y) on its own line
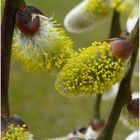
(97, 105)
(124, 92)
(115, 29)
(8, 22)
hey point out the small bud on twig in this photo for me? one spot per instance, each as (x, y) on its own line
(133, 107)
(97, 124)
(25, 22)
(121, 48)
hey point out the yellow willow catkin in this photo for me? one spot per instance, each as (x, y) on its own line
(92, 70)
(86, 15)
(123, 6)
(17, 133)
(47, 50)
(98, 7)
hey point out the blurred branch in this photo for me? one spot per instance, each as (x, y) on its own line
(124, 93)
(97, 105)
(115, 29)
(8, 22)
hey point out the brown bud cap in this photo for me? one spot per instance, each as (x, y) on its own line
(97, 124)
(24, 20)
(133, 107)
(121, 48)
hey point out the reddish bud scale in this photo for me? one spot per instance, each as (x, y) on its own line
(24, 20)
(121, 48)
(133, 107)
(97, 124)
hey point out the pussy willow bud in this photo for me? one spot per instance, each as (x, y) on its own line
(17, 133)
(133, 107)
(15, 120)
(12, 127)
(130, 114)
(97, 125)
(121, 48)
(25, 22)
(91, 134)
(86, 15)
(93, 70)
(38, 43)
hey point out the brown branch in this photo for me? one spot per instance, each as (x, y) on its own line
(97, 104)
(115, 29)
(8, 22)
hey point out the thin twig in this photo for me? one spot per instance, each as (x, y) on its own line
(115, 29)
(96, 111)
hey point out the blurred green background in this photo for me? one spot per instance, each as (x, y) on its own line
(33, 96)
